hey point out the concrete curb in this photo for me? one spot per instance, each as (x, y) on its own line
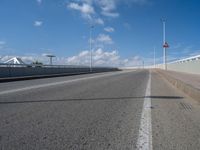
(181, 85)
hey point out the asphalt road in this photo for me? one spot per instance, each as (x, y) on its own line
(114, 111)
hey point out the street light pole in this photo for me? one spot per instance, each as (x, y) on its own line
(154, 57)
(91, 51)
(50, 60)
(143, 64)
(164, 41)
(50, 56)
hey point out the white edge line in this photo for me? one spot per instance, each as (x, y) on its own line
(144, 141)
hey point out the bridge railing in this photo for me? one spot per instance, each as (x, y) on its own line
(187, 65)
(48, 66)
(23, 70)
(41, 65)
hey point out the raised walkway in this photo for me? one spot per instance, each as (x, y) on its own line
(188, 83)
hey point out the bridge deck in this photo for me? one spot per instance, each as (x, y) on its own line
(116, 110)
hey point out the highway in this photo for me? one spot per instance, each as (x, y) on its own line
(122, 110)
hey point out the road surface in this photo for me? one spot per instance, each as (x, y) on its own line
(106, 111)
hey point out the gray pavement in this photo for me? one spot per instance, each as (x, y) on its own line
(188, 78)
(175, 117)
(99, 111)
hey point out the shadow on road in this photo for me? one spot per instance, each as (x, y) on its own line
(165, 97)
(95, 99)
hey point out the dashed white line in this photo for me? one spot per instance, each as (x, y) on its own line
(144, 141)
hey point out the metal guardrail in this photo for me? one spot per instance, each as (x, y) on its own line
(187, 65)
(38, 65)
(47, 66)
(33, 70)
(186, 59)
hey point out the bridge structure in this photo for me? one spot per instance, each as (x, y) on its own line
(140, 109)
(187, 65)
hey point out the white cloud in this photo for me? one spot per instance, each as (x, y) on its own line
(127, 26)
(87, 11)
(101, 41)
(99, 21)
(28, 59)
(100, 58)
(92, 10)
(84, 8)
(2, 44)
(109, 29)
(110, 14)
(38, 23)
(134, 61)
(82, 58)
(39, 1)
(138, 1)
(104, 38)
(108, 7)
(103, 58)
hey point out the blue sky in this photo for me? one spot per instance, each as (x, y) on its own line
(125, 31)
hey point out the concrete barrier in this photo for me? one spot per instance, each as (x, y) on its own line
(188, 65)
(32, 72)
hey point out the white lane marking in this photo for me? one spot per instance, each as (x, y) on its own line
(59, 83)
(144, 141)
